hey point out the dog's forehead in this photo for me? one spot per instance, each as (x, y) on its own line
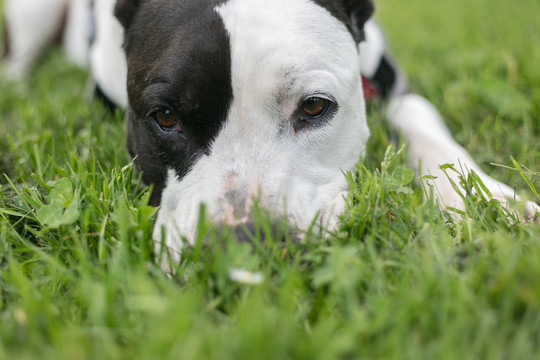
(169, 35)
(288, 49)
(294, 8)
(270, 25)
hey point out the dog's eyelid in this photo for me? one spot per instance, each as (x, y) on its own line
(317, 94)
(153, 109)
(153, 102)
(157, 95)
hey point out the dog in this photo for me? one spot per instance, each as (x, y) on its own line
(232, 102)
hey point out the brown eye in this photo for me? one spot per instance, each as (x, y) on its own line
(166, 119)
(315, 106)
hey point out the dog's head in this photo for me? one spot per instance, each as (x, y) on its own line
(237, 100)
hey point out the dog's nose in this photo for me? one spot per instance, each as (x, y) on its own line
(257, 233)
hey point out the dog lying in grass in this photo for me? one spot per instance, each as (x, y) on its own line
(234, 102)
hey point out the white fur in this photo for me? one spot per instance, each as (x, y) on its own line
(278, 57)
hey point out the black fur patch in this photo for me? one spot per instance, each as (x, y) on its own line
(125, 11)
(385, 78)
(179, 57)
(353, 13)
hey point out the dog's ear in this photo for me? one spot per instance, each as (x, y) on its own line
(125, 11)
(359, 11)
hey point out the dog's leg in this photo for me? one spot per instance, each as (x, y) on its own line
(430, 144)
(106, 55)
(77, 32)
(31, 26)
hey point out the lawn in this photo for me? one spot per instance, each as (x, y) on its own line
(398, 280)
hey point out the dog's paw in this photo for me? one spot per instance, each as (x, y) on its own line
(531, 211)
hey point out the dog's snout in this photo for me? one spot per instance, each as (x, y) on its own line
(236, 203)
(258, 233)
(246, 233)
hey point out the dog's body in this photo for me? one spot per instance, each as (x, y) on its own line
(227, 103)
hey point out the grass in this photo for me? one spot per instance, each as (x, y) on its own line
(399, 280)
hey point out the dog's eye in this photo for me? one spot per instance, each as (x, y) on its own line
(314, 107)
(313, 112)
(166, 119)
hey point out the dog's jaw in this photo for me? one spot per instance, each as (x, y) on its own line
(292, 50)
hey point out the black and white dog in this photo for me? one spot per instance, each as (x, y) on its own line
(234, 100)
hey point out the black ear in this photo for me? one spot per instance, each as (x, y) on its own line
(359, 11)
(125, 11)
